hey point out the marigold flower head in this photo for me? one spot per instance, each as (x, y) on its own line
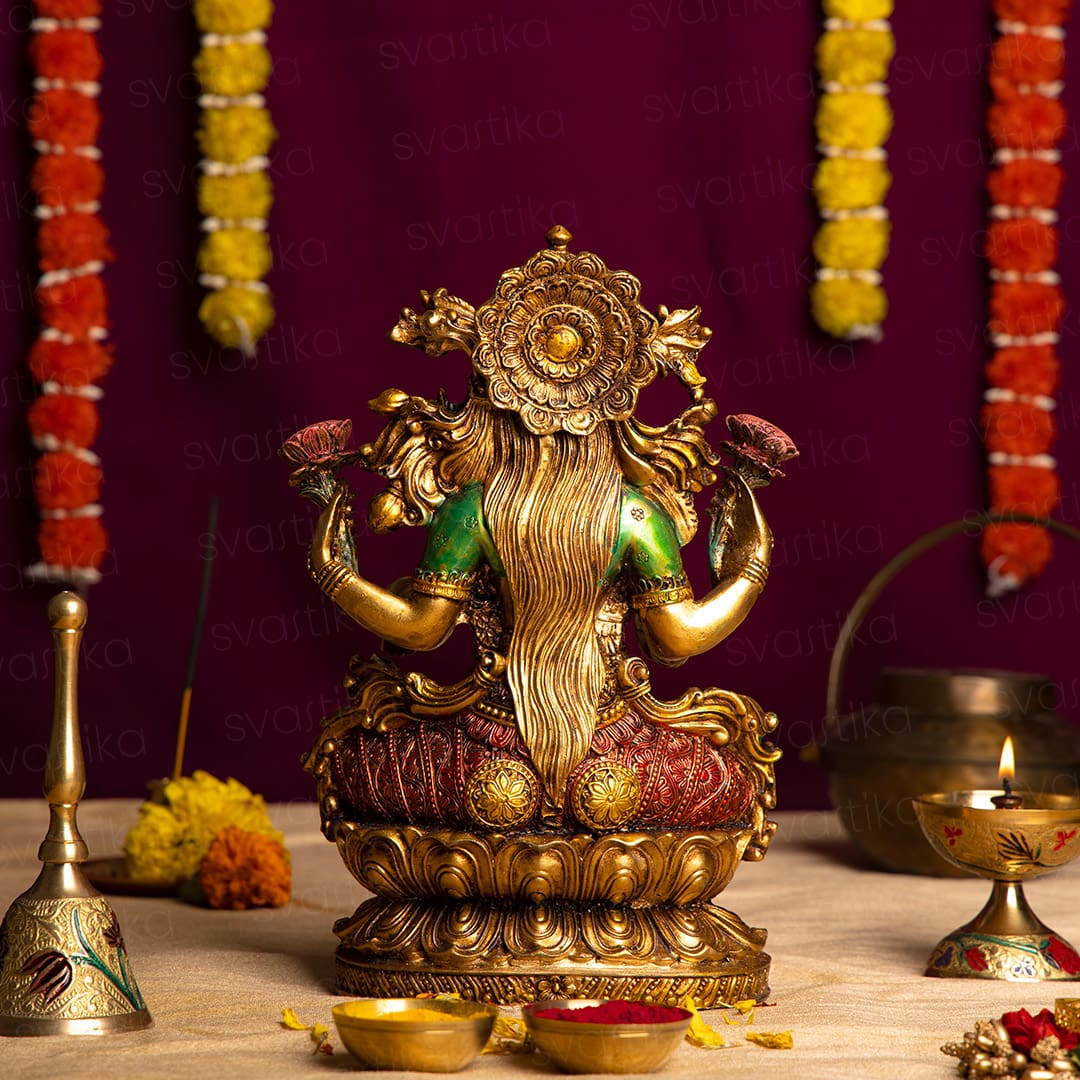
(1028, 58)
(66, 54)
(234, 134)
(854, 57)
(64, 117)
(71, 418)
(1021, 244)
(853, 244)
(245, 195)
(223, 311)
(1026, 369)
(1030, 122)
(1026, 182)
(73, 542)
(63, 481)
(74, 306)
(853, 121)
(67, 9)
(233, 69)
(1024, 489)
(1017, 427)
(1025, 308)
(232, 16)
(70, 240)
(73, 364)
(237, 254)
(66, 179)
(1024, 550)
(841, 305)
(850, 184)
(1033, 12)
(243, 869)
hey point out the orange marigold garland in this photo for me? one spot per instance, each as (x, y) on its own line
(73, 246)
(1026, 122)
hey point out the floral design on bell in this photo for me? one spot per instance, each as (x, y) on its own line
(502, 794)
(606, 795)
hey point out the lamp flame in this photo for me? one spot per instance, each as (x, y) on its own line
(1007, 765)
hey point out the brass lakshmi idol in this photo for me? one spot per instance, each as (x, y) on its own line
(546, 827)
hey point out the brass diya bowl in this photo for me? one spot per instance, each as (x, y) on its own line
(1004, 845)
(414, 1034)
(584, 1047)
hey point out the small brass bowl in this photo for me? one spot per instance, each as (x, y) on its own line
(582, 1047)
(400, 1034)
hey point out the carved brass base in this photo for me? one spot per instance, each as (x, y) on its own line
(744, 977)
(514, 918)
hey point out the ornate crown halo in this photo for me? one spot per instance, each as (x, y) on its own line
(565, 342)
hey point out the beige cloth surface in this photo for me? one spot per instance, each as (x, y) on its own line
(848, 947)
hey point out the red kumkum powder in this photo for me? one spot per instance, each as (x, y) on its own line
(617, 1012)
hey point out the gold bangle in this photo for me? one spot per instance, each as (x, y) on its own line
(432, 583)
(331, 577)
(755, 571)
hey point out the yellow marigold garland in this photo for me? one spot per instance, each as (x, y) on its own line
(853, 122)
(235, 135)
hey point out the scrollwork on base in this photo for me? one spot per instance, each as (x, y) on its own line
(742, 980)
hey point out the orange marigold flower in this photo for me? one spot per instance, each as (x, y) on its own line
(1025, 308)
(73, 542)
(1024, 549)
(245, 870)
(72, 419)
(1026, 182)
(1025, 489)
(69, 240)
(64, 117)
(1027, 369)
(1021, 244)
(66, 179)
(1033, 12)
(70, 365)
(66, 54)
(74, 306)
(1015, 427)
(1030, 122)
(1028, 58)
(65, 482)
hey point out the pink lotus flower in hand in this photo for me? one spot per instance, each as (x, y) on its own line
(319, 451)
(758, 449)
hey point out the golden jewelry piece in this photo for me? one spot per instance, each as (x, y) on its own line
(331, 577)
(662, 596)
(755, 571)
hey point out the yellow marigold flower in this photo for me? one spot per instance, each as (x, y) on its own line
(233, 69)
(854, 57)
(839, 306)
(223, 311)
(245, 195)
(232, 16)
(235, 134)
(168, 842)
(238, 254)
(853, 121)
(855, 244)
(857, 10)
(850, 184)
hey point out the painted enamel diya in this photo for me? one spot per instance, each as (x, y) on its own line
(1006, 837)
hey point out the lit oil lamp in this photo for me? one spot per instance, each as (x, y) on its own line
(1006, 838)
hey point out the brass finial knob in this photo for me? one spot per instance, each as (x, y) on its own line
(558, 237)
(67, 611)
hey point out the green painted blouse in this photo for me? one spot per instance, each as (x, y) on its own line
(459, 541)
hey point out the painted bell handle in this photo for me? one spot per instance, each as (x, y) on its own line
(874, 588)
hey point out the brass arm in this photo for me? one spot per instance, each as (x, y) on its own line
(673, 632)
(416, 623)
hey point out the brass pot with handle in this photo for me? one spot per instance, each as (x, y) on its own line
(936, 730)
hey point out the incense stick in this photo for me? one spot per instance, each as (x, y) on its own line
(196, 636)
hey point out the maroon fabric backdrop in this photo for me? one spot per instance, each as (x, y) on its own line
(433, 144)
